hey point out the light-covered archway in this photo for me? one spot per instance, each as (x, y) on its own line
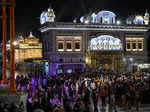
(105, 42)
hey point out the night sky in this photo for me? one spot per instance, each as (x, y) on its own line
(28, 11)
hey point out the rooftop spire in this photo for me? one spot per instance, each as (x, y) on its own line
(146, 13)
(31, 35)
(50, 5)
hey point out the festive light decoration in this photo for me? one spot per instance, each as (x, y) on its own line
(97, 28)
(105, 42)
(47, 16)
(107, 17)
(118, 22)
(104, 17)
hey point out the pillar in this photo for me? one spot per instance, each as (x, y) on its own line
(114, 20)
(12, 58)
(4, 31)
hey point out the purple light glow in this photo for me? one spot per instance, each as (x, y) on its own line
(55, 101)
(30, 100)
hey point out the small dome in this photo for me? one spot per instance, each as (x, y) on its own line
(106, 13)
(50, 12)
(47, 16)
(138, 19)
(130, 20)
(106, 17)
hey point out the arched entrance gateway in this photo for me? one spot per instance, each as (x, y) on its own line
(105, 52)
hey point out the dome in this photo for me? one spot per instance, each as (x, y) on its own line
(103, 17)
(106, 17)
(106, 13)
(138, 20)
(47, 16)
(50, 13)
(130, 20)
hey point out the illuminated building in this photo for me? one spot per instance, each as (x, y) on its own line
(98, 41)
(27, 48)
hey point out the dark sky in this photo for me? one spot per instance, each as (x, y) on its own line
(28, 11)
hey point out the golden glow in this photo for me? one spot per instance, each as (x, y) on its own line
(96, 59)
(60, 49)
(69, 50)
(77, 38)
(86, 60)
(69, 45)
(128, 38)
(27, 48)
(77, 50)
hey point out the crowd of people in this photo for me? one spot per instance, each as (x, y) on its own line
(76, 92)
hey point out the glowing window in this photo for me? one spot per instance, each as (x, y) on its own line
(60, 45)
(128, 46)
(134, 45)
(139, 45)
(77, 45)
(69, 45)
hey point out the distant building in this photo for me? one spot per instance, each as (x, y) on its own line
(27, 48)
(98, 41)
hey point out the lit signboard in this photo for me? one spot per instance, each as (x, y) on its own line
(105, 42)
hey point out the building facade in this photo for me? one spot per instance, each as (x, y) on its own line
(98, 41)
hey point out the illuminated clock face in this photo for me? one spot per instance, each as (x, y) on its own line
(42, 18)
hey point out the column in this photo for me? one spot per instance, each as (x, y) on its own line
(4, 27)
(114, 20)
(53, 41)
(137, 45)
(12, 58)
(72, 44)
